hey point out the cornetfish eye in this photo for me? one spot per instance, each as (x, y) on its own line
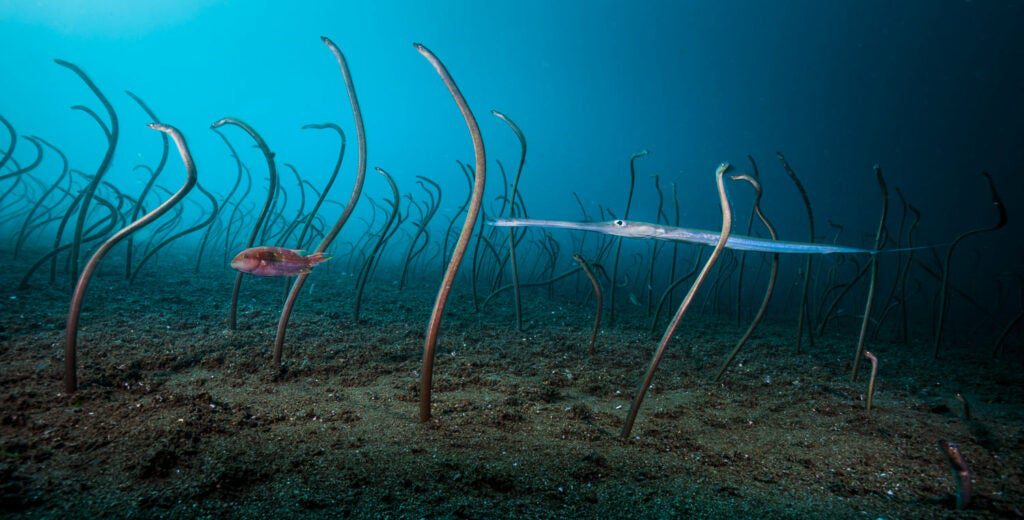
(620, 223)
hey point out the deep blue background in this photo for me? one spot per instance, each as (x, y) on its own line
(931, 90)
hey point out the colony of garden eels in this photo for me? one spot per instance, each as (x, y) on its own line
(37, 210)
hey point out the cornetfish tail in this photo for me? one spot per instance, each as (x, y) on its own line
(905, 249)
(744, 243)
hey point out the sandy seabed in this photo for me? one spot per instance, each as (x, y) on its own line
(178, 417)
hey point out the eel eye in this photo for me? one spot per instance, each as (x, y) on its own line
(619, 223)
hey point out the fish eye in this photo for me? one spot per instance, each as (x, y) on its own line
(620, 223)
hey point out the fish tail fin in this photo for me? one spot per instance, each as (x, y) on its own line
(317, 258)
(906, 249)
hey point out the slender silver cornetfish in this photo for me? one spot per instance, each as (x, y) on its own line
(634, 229)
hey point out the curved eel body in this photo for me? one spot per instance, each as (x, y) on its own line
(633, 229)
(961, 473)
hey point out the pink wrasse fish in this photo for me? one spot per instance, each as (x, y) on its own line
(276, 261)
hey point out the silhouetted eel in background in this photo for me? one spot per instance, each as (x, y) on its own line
(228, 235)
(879, 240)
(234, 189)
(202, 224)
(287, 232)
(943, 290)
(164, 151)
(756, 174)
(675, 246)
(598, 300)
(669, 291)
(70, 347)
(330, 182)
(13, 142)
(19, 171)
(480, 162)
(421, 226)
(60, 231)
(368, 263)
(803, 319)
(272, 170)
(357, 189)
(111, 134)
(23, 233)
(543, 283)
(771, 277)
(997, 350)
(511, 232)
(661, 218)
(618, 243)
(110, 221)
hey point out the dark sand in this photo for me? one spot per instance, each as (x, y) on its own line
(177, 417)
